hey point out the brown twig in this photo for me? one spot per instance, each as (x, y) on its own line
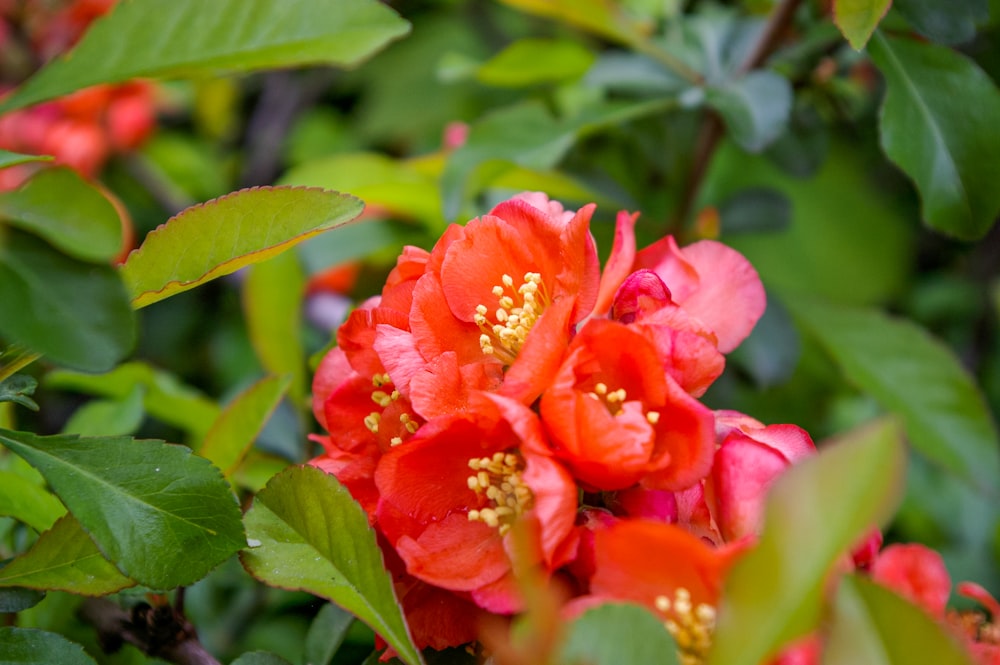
(160, 632)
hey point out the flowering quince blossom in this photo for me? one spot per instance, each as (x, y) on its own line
(502, 381)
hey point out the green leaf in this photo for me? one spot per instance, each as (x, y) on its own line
(108, 417)
(952, 22)
(260, 658)
(165, 517)
(917, 377)
(28, 502)
(69, 213)
(755, 107)
(18, 600)
(8, 158)
(75, 313)
(18, 389)
(814, 513)
(533, 61)
(150, 39)
(857, 19)
(306, 533)
(936, 125)
(65, 558)
(27, 646)
(273, 294)
(241, 421)
(228, 233)
(873, 625)
(756, 209)
(326, 633)
(618, 634)
(602, 17)
(164, 396)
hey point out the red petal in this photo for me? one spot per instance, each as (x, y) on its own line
(455, 554)
(915, 572)
(619, 262)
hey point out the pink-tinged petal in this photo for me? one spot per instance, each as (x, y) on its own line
(652, 504)
(399, 355)
(641, 293)
(455, 554)
(790, 440)
(443, 387)
(554, 506)
(727, 421)
(685, 441)
(667, 260)
(804, 651)
(499, 597)
(691, 359)
(865, 553)
(619, 261)
(694, 515)
(743, 471)
(333, 370)
(541, 201)
(356, 337)
(581, 267)
(977, 593)
(917, 573)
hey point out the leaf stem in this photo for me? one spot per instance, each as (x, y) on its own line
(21, 358)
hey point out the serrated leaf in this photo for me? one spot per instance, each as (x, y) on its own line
(75, 313)
(307, 533)
(326, 633)
(149, 39)
(814, 513)
(618, 634)
(27, 646)
(65, 558)
(28, 502)
(755, 107)
(18, 388)
(163, 516)
(234, 432)
(532, 61)
(17, 599)
(952, 22)
(857, 19)
(108, 417)
(223, 235)
(874, 626)
(937, 126)
(8, 158)
(69, 213)
(916, 377)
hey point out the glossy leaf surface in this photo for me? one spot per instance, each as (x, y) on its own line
(857, 19)
(951, 22)
(164, 516)
(307, 533)
(220, 237)
(27, 646)
(755, 107)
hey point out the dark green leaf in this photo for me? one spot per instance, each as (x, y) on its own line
(815, 512)
(18, 389)
(28, 502)
(69, 213)
(165, 517)
(618, 634)
(533, 61)
(857, 19)
(260, 658)
(951, 22)
(755, 107)
(326, 633)
(633, 73)
(27, 646)
(874, 626)
(164, 397)
(145, 38)
(917, 377)
(937, 126)
(757, 209)
(108, 417)
(65, 558)
(236, 429)
(8, 158)
(75, 313)
(220, 237)
(306, 533)
(18, 600)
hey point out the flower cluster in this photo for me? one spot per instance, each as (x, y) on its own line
(504, 379)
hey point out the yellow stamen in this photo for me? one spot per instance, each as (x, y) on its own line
(691, 626)
(517, 313)
(498, 478)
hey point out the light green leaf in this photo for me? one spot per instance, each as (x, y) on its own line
(273, 294)
(917, 377)
(857, 19)
(937, 126)
(163, 516)
(220, 237)
(75, 313)
(952, 22)
(874, 626)
(108, 417)
(151, 39)
(69, 213)
(65, 558)
(306, 533)
(164, 396)
(326, 633)
(618, 634)
(27, 646)
(533, 61)
(755, 107)
(8, 158)
(602, 17)
(814, 513)
(237, 427)
(28, 502)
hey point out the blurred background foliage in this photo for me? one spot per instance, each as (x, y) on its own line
(482, 100)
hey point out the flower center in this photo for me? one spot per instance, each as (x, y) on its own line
(499, 479)
(385, 395)
(691, 626)
(614, 399)
(517, 313)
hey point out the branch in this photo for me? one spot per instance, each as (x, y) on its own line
(161, 631)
